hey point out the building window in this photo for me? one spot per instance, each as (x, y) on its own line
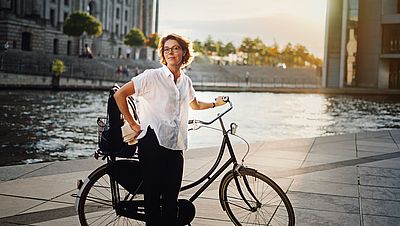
(125, 30)
(117, 13)
(117, 29)
(92, 8)
(65, 15)
(52, 17)
(26, 43)
(126, 15)
(6, 4)
(394, 75)
(66, 2)
(55, 46)
(14, 43)
(69, 48)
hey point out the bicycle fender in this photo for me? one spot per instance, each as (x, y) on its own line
(78, 196)
(86, 181)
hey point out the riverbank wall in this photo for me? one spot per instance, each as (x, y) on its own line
(44, 82)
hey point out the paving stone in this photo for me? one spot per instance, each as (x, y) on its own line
(346, 175)
(382, 193)
(326, 202)
(378, 171)
(381, 207)
(324, 187)
(371, 220)
(309, 217)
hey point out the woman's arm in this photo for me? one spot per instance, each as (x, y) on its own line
(200, 105)
(120, 98)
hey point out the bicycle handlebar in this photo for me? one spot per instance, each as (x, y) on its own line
(219, 115)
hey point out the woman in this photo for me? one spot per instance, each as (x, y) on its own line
(165, 95)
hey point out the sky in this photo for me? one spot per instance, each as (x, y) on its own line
(280, 21)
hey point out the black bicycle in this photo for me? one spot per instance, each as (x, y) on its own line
(113, 195)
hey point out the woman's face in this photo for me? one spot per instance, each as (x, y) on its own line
(173, 53)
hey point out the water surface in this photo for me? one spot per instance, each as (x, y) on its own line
(39, 126)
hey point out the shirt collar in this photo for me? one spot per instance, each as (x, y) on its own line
(169, 74)
(166, 71)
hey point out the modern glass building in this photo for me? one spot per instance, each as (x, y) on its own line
(362, 44)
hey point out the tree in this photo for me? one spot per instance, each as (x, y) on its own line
(288, 55)
(152, 41)
(229, 48)
(135, 39)
(198, 47)
(79, 23)
(209, 45)
(249, 47)
(57, 67)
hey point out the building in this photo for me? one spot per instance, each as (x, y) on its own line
(362, 44)
(36, 25)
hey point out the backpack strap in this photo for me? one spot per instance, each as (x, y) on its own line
(131, 102)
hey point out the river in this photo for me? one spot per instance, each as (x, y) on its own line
(41, 126)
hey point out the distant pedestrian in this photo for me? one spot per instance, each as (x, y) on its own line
(125, 70)
(119, 70)
(88, 52)
(247, 78)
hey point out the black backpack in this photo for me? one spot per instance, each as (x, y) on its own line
(109, 129)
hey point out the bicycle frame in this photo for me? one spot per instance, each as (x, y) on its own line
(226, 143)
(214, 170)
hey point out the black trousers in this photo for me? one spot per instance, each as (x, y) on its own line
(162, 170)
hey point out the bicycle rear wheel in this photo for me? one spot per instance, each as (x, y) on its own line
(262, 201)
(96, 207)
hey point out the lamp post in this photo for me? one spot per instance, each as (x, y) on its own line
(2, 56)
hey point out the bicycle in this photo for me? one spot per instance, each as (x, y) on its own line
(246, 195)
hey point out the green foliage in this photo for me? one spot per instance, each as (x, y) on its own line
(79, 22)
(135, 38)
(152, 40)
(58, 67)
(209, 45)
(229, 48)
(198, 47)
(258, 53)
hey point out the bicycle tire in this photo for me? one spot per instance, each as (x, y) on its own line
(95, 205)
(274, 207)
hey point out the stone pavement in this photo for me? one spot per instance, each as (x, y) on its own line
(348, 179)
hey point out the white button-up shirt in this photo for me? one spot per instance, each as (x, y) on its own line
(164, 105)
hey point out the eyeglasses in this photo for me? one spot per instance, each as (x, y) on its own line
(173, 49)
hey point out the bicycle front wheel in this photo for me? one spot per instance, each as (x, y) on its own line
(96, 206)
(251, 198)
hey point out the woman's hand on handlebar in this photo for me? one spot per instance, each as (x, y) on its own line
(221, 100)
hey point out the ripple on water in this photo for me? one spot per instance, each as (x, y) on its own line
(49, 126)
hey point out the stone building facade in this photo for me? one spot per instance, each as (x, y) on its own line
(36, 25)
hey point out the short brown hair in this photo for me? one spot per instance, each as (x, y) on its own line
(183, 42)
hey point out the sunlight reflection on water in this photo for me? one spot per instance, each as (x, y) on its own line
(41, 126)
